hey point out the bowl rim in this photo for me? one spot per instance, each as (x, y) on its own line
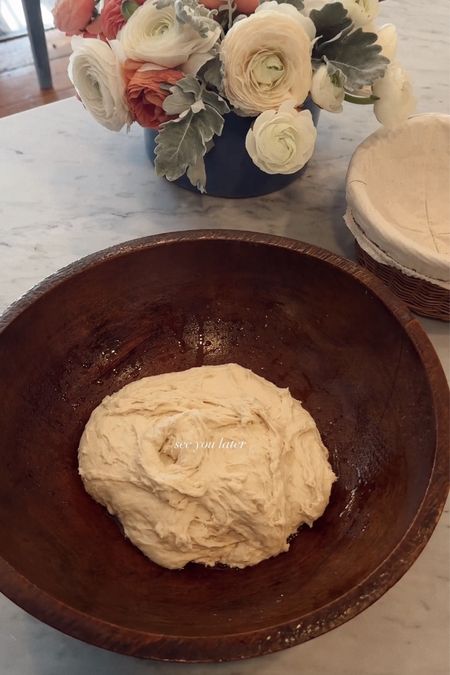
(233, 646)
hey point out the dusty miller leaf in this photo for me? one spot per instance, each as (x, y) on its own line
(212, 73)
(215, 101)
(183, 95)
(197, 15)
(128, 8)
(197, 175)
(226, 13)
(337, 77)
(182, 143)
(298, 4)
(163, 3)
(356, 55)
(190, 85)
(209, 123)
(329, 21)
(178, 146)
(177, 102)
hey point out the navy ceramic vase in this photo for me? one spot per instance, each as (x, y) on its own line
(230, 171)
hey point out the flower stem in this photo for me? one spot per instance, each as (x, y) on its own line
(360, 100)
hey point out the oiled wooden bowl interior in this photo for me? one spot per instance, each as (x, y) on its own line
(300, 317)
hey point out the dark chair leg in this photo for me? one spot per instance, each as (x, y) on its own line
(36, 33)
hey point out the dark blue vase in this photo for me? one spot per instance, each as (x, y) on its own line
(229, 170)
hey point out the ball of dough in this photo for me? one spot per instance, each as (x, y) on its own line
(210, 465)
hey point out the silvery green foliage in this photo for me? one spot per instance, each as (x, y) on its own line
(329, 21)
(226, 14)
(212, 73)
(128, 8)
(197, 174)
(182, 143)
(163, 3)
(356, 54)
(183, 95)
(197, 15)
(298, 4)
(337, 77)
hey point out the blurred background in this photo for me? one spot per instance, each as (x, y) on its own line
(12, 18)
(19, 84)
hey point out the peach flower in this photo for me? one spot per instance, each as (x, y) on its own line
(94, 29)
(72, 16)
(144, 95)
(242, 6)
(112, 17)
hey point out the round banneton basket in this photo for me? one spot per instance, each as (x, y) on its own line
(399, 211)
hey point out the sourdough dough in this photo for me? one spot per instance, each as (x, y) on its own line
(211, 465)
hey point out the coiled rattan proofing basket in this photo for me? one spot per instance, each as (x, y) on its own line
(398, 195)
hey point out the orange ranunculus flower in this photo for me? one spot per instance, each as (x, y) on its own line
(72, 16)
(112, 18)
(242, 6)
(144, 95)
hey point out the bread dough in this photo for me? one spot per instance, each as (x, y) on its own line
(211, 465)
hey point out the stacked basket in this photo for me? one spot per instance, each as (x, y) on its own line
(398, 197)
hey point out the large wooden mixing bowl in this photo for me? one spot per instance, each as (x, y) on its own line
(300, 317)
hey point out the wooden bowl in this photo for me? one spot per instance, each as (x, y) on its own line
(299, 316)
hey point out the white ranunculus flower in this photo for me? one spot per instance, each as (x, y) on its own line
(267, 59)
(289, 10)
(327, 91)
(361, 12)
(155, 36)
(396, 98)
(95, 72)
(387, 39)
(282, 141)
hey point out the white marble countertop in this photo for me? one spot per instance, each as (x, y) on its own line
(68, 188)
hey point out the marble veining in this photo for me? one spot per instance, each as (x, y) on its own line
(68, 188)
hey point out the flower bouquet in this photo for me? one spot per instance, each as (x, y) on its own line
(188, 70)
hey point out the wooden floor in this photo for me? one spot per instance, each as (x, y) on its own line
(19, 88)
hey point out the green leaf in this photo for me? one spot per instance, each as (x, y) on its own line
(298, 4)
(329, 21)
(212, 73)
(357, 55)
(178, 146)
(190, 85)
(209, 124)
(128, 8)
(177, 102)
(210, 98)
(182, 143)
(183, 95)
(226, 14)
(197, 15)
(361, 100)
(337, 77)
(197, 175)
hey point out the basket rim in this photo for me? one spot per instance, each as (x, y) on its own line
(372, 223)
(381, 257)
